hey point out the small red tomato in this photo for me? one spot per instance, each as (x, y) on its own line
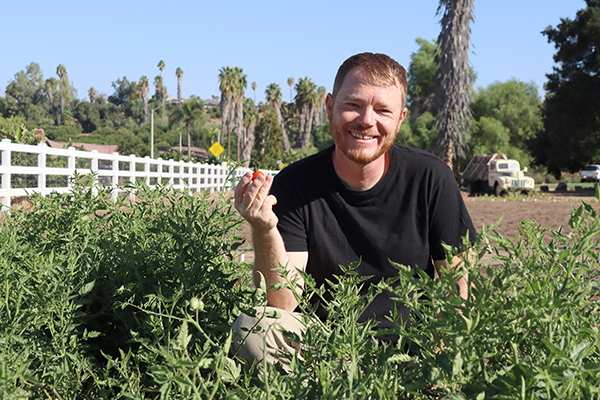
(257, 174)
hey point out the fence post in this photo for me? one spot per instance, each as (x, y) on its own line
(71, 165)
(171, 171)
(42, 166)
(147, 170)
(115, 175)
(6, 177)
(132, 171)
(94, 169)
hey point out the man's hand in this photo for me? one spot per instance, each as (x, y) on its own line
(456, 263)
(254, 203)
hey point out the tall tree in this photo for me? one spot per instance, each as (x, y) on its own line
(27, 85)
(61, 71)
(247, 139)
(273, 93)
(506, 117)
(50, 87)
(453, 79)
(92, 94)
(233, 84)
(421, 79)
(268, 142)
(144, 89)
(290, 82)
(121, 87)
(160, 92)
(191, 111)
(253, 86)
(306, 99)
(571, 137)
(319, 107)
(179, 74)
(161, 66)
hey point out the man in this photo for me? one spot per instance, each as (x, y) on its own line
(363, 198)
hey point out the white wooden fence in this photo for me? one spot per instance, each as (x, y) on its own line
(26, 169)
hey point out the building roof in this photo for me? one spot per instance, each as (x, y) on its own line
(101, 148)
(200, 153)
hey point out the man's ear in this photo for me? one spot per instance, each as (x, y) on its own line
(329, 106)
(401, 119)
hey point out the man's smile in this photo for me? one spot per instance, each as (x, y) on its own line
(358, 136)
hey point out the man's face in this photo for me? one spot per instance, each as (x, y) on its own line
(364, 118)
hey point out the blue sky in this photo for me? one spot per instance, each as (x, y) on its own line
(100, 42)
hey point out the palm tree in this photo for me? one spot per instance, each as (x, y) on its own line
(50, 86)
(179, 73)
(61, 71)
(246, 141)
(190, 112)
(233, 84)
(318, 114)
(144, 89)
(158, 86)
(161, 92)
(253, 85)
(306, 98)
(92, 94)
(273, 93)
(453, 79)
(290, 82)
(161, 66)
(227, 87)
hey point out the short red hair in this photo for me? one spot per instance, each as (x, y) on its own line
(382, 69)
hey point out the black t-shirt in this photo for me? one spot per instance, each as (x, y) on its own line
(405, 218)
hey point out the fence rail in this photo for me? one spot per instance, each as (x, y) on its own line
(25, 169)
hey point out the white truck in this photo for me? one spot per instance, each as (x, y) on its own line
(495, 172)
(590, 173)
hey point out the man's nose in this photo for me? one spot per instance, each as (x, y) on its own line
(366, 116)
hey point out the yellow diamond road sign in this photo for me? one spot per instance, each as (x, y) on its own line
(216, 149)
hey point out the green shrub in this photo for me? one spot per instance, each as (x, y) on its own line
(104, 299)
(83, 274)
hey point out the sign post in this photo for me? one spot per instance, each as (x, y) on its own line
(216, 149)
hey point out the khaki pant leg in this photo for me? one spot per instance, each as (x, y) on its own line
(269, 343)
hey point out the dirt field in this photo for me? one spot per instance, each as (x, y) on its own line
(550, 210)
(547, 210)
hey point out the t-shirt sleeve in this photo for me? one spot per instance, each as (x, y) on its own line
(449, 219)
(290, 212)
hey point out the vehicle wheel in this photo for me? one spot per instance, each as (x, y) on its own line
(472, 188)
(497, 190)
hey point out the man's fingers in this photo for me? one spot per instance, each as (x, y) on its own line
(271, 200)
(258, 191)
(240, 189)
(251, 196)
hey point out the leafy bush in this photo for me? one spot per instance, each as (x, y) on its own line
(104, 299)
(62, 133)
(86, 280)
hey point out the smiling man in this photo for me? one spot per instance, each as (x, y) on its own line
(363, 198)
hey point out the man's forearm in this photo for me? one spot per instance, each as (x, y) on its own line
(269, 255)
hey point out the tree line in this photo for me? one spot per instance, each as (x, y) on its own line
(446, 115)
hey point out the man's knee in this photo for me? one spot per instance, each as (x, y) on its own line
(261, 337)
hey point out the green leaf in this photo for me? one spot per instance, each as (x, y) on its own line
(468, 322)
(457, 365)
(85, 289)
(275, 314)
(181, 380)
(554, 349)
(399, 358)
(578, 349)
